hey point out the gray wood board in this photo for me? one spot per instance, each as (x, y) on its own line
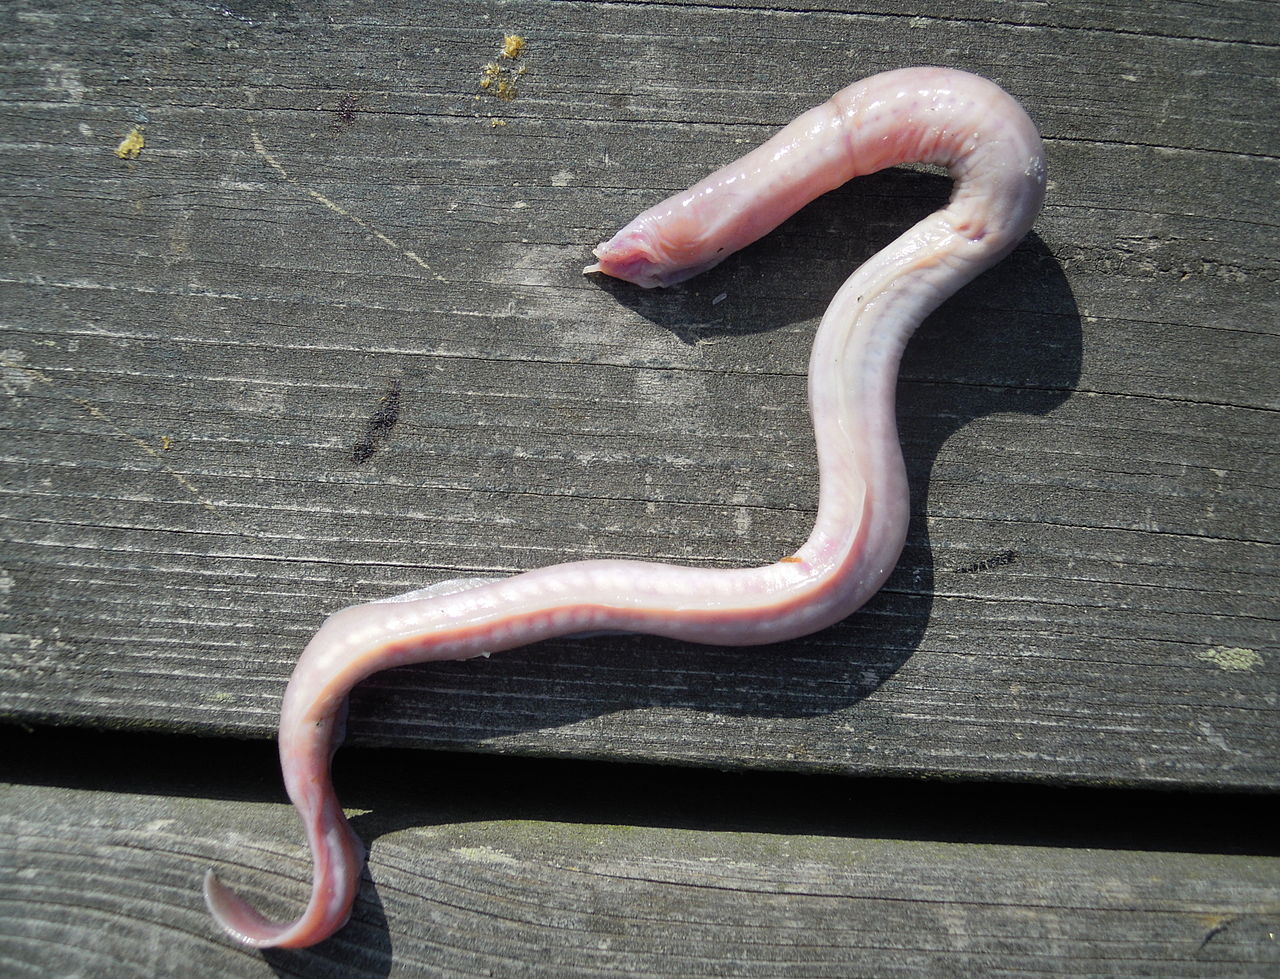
(106, 882)
(202, 346)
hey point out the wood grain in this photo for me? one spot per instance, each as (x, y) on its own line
(199, 342)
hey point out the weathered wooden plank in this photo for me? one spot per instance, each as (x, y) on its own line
(504, 872)
(197, 339)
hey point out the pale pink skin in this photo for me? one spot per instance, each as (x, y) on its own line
(929, 115)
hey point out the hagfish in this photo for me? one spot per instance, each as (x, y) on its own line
(927, 115)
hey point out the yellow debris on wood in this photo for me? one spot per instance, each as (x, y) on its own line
(512, 45)
(131, 145)
(499, 80)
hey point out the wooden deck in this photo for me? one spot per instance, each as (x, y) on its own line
(325, 338)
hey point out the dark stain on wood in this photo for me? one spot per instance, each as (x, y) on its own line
(381, 422)
(998, 561)
(344, 114)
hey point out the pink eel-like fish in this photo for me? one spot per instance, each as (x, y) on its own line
(926, 115)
